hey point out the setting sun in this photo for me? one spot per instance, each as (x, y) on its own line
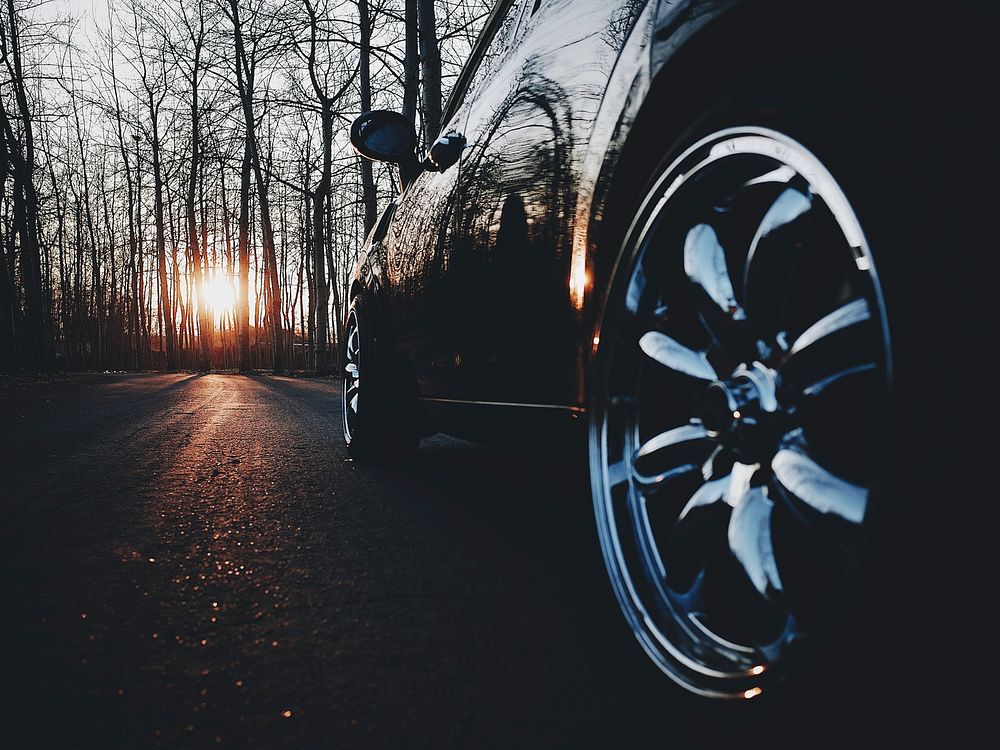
(220, 294)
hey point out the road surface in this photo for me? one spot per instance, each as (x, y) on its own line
(193, 561)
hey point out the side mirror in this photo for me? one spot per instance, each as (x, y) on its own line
(381, 135)
(445, 151)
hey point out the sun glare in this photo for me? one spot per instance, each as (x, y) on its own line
(220, 295)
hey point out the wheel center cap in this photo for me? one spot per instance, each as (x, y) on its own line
(738, 412)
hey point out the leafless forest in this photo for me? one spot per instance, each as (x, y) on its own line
(178, 190)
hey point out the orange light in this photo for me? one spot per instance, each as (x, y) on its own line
(759, 669)
(286, 713)
(579, 279)
(752, 692)
(220, 294)
(597, 340)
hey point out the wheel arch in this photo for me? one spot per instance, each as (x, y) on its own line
(700, 50)
(366, 282)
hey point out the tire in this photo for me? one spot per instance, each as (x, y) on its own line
(379, 416)
(765, 547)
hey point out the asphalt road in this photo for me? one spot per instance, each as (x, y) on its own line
(193, 561)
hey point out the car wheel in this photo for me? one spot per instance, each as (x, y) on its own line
(378, 423)
(742, 421)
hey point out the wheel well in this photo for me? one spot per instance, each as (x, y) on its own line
(787, 42)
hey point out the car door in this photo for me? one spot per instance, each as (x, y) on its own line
(425, 278)
(528, 129)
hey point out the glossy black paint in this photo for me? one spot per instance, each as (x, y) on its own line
(491, 273)
(474, 268)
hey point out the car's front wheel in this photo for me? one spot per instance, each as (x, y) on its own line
(741, 412)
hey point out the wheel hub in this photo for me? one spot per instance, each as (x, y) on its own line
(741, 413)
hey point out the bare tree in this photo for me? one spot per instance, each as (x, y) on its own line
(321, 193)
(192, 62)
(139, 174)
(246, 70)
(430, 65)
(18, 132)
(150, 66)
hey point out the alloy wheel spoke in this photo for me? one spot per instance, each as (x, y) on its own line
(671, 454)
(771, 260)
(713, 491)
(352, 339)
(688, 364)
(756, 586)
(840, 344)
(705, 265)
(814, 485)
(693, 540)
(821, 385)
(851, 314)
(749, 538)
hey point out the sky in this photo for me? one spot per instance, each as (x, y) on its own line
(92, 15)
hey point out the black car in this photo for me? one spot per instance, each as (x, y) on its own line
(737, 247)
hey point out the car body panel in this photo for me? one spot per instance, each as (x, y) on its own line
(488, 274)
(467, 243)
(528, 134)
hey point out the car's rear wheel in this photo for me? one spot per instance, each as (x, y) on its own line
(741, 413)
(379, 418)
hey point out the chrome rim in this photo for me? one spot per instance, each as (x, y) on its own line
(352, 377)
(738, 428)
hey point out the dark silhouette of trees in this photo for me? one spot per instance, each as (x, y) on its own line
(176, 186)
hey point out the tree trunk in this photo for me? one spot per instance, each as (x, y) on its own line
(319, 244)
(139, 290)
(321, 196)
(411, 61)
(166, 310)
(364, 66)
(338, 310)
(274, 286)
(243, 291)
(23, 163)
(205, 322)
(430, 65)
(245, 84)
(96, 301)
(6, 282)
(131, 278)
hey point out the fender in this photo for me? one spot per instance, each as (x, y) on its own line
(676, 58)
(367, 275)
(659, 32)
